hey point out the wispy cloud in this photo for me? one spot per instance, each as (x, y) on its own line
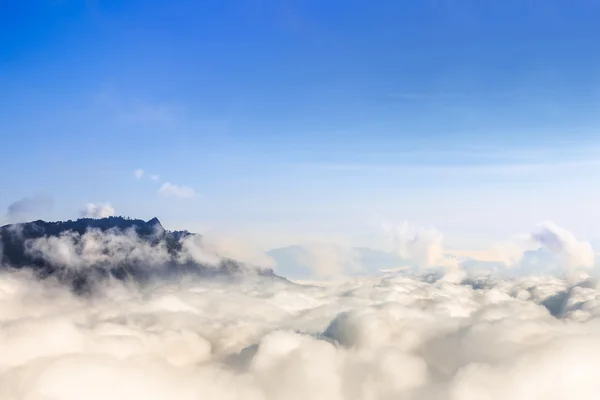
(480, 168)
(126, 109)
(92, 210)
(145, 112)
(424, 96)
(154, 177)
(138, 173)
(172, 190)
(29, 206)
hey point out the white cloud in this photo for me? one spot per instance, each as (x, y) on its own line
(329, 260)
(138, 173)
(205, 247)
(75, 251)
(549, 246)
(172, 190)
(29, 207)
(398, 336)
(573, 253)
(393, 337)
(548, 249)
(92, 210)
(423, 246)
(107, 249)
(154, 177)
(129, 110)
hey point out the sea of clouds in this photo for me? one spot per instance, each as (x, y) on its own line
(454, 334)
(389, 337)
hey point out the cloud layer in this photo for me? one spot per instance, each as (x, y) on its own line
(547, 249)
(450, 334)
(391, 337)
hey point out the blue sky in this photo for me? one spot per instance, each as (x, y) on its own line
(312, 117)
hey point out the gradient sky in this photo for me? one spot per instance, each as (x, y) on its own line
(306, 117)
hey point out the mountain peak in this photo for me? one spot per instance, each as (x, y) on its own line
(150, 252)
(154, 221)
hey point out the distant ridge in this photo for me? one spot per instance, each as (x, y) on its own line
(40, 228)
(122, 248)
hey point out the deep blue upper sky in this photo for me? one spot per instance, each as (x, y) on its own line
(305, 114)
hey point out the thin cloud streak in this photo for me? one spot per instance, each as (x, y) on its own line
(173, 190)
(138, 173)
(591, 166)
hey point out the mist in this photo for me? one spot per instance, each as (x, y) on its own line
(406, 335)
(441, 329)
(28, 206)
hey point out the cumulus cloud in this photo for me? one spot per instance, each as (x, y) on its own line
(92, 210)
(227, 246)
(573, 253)
(423, 246)
(172, 190)
(138, 173)
(329, 260)
(395, 247)
(391, 337)
(548, 246)
(29, 206)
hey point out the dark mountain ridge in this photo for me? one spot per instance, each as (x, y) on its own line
(26, 245)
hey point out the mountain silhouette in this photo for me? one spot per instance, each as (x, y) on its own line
(87, 250)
